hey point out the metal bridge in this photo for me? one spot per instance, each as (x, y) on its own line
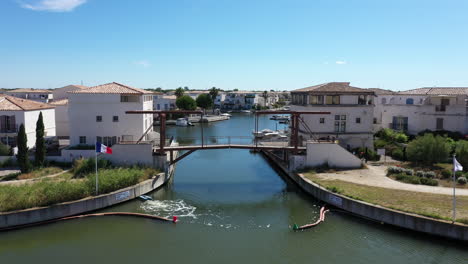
(227, 142)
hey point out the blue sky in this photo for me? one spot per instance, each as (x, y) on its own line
(244, 44)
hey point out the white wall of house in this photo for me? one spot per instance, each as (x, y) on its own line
(61, 120)
(161, 102)
(84, 109)
(330, 154)
(62, 93)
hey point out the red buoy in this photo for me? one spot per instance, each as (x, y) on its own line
(174, 219)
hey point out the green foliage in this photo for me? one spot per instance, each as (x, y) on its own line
(214, 93)
(445, 174)
(444, 133)
(204, 101)
(22, 156)
(4, 150)
(186, 102)
(82, 147)
(48, 192)
(8, 163)
(81, 167)
(179, 92)
(390, 135)
(462, 180)
(334, 189)
(428, 149)
(413, 179)
(401, 137)
(368, 154)
(40, 142)
(462, 153)
(398, 154)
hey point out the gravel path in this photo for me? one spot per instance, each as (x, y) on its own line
(19, 182)
(376, 176)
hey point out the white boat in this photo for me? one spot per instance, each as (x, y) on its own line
(183, 122)
(279, 117)
(260, 134)
(226, 114)
(245, 111)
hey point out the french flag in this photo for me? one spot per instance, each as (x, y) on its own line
(103, 148)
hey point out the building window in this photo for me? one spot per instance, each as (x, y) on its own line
(115, 119)
(82, 140)
(333, 99)
(409, 101)
(158, 107)
(440, 124)
(358, 120)
(340, 123)
(400, 123)
(322, 120)
(375, 120)
(129, 98)
(98, 118)
(362, 100)
(316, 99)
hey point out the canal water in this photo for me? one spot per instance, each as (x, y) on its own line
(233, 207)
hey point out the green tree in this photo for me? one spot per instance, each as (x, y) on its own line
(204, 101)
(428, 149)
(186, 102)
(214, 93)
(40, 142)
(22, 156)
(265, 97)
(179, 92)
(462, 153)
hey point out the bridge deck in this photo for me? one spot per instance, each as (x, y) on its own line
(231, 146)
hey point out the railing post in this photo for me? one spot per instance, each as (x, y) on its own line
(162, 132)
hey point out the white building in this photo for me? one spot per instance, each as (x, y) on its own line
(98, 114)
(62, 93)
(16, 111)
(239, 100)
(413, 111)
(38, 95)
(62, 123)
(351, 113)
(164, 102)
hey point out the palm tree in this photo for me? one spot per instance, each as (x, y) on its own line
(214, 93)
(179, 92)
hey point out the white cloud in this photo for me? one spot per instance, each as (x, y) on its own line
(53, 5)
(143, 63)
(340, 62)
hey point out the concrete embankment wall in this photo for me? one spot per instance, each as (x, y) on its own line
(34, 215)
(375, 212)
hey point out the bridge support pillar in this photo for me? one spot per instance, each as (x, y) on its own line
(160, 161)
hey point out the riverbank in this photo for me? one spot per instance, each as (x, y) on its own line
(375, 212)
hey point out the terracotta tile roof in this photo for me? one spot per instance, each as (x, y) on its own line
(169, 97)
(111, 88)
(334, 87)
(437, 91)
(11, 103)
(28, 90)
(59, 102)
(379, 91)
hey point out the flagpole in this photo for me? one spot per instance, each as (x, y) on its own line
(95, 151)
(454, 184)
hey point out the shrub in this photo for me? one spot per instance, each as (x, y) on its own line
(8, 163)
(459, 174)
(462, 180)
(428, 149)
(81, 167)
(369, 154)
(408, 178)
(462, 153)
(429, 174)
(430, 182)
(420, 174)
(446, 174)
(380, 143)
(398, 154)
(409, 172)
(394, 170)
(4, 150)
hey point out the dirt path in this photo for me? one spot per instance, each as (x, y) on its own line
(19, 182)
(376, 176)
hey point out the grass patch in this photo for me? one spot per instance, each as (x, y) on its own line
(41, 172)
(431, 205)
(51, 191)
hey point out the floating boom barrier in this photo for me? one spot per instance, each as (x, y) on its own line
(321, 219)
(154, 217)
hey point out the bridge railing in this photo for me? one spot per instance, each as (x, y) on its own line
(215, 140)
